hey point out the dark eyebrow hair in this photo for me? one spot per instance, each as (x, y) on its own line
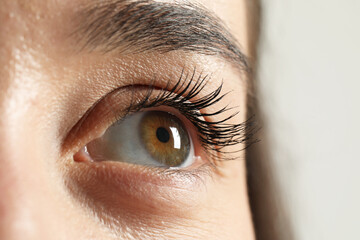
(145, 25)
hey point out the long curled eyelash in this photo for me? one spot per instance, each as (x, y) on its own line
(214, 135)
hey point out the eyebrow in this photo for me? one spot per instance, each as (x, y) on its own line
(148, 26)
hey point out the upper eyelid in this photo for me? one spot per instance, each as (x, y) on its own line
(187, 90)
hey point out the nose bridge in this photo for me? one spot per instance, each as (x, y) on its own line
(20, 173)
(17, 187)
(14, 35)
(19, 191)
(12, 65)
(23, 194)
(15, 217)
(9, 48)
(18, 66)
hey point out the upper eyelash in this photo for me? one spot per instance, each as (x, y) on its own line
(214, 135)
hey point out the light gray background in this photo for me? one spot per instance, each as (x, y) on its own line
(309, 75)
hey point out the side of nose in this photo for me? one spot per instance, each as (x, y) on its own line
(18, 201)
(26, 190)
(29, 181)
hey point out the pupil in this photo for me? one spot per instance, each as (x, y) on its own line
(163, 135)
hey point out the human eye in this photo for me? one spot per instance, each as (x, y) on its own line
(152, 148)
(163, 128)
(150, 138)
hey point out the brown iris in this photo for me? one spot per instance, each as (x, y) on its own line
(165, 138)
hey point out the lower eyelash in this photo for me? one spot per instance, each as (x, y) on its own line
(214, 135)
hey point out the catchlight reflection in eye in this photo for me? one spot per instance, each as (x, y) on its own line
(150, 138)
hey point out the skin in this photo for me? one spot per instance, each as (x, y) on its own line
(46, 87)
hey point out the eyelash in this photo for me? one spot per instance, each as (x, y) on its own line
(213, 135)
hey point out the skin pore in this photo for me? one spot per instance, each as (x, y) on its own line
(61, 87)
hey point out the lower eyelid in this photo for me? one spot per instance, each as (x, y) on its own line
(121, 189)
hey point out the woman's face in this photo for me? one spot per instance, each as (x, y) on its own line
(113, 124)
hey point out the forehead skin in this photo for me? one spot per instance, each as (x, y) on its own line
(46, 86)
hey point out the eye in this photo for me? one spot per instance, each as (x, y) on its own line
(173, 127)
(150, 138)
